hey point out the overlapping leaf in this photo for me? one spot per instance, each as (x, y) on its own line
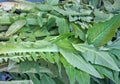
(75, 74)
(115, 7)
(115, 44)
(62, 24)
(78, 62)
(102, 32)
(41, 46)
(15, 27)
(96, 57)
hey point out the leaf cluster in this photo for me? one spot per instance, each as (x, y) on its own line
(64, 43)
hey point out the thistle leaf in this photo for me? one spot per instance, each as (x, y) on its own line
(39, 46)
(78, 62)
(96, 57)
(102, 32)
(62, 25)
(115, 44)
(15, 27)
(75, 74)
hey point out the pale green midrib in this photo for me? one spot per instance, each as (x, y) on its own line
(12, 57)
(22, 49)
(103, 32)
(99, 55)
(27, 50)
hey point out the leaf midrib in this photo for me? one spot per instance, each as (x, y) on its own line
(90, 50)
(103, 32)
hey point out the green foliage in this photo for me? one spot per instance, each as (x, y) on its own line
(78, 62)
(17, 82)
(115, 7)
(102, 32)
(15, 27)
(75, 74)
(97, 57)
(74, 42)
(64, 28)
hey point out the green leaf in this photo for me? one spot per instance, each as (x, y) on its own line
(106, 72)
(78, 62)
(108, 5)
(50, 57)
(4, 20)
(39, 46)
(66, 45)
(64, 12)
(102, 32)
(44, 7)
(116, 52)
(58, 81)
(101, 16)
(40, 20)
(34, 79)
(75, 74)
(94, 3)
(31, 21)
(15, 27)
(61, 37)
(115, 7)
(71, 74)
(96, 57)
(78, 31)
(52, 2)
(70, 70)
(17, 82)
(46, 80)
(32, 67)
(3, 28)
(117, 77)
(62, 25)
(82, 77)
(57, 61)
(51, 22)
(115, 44)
